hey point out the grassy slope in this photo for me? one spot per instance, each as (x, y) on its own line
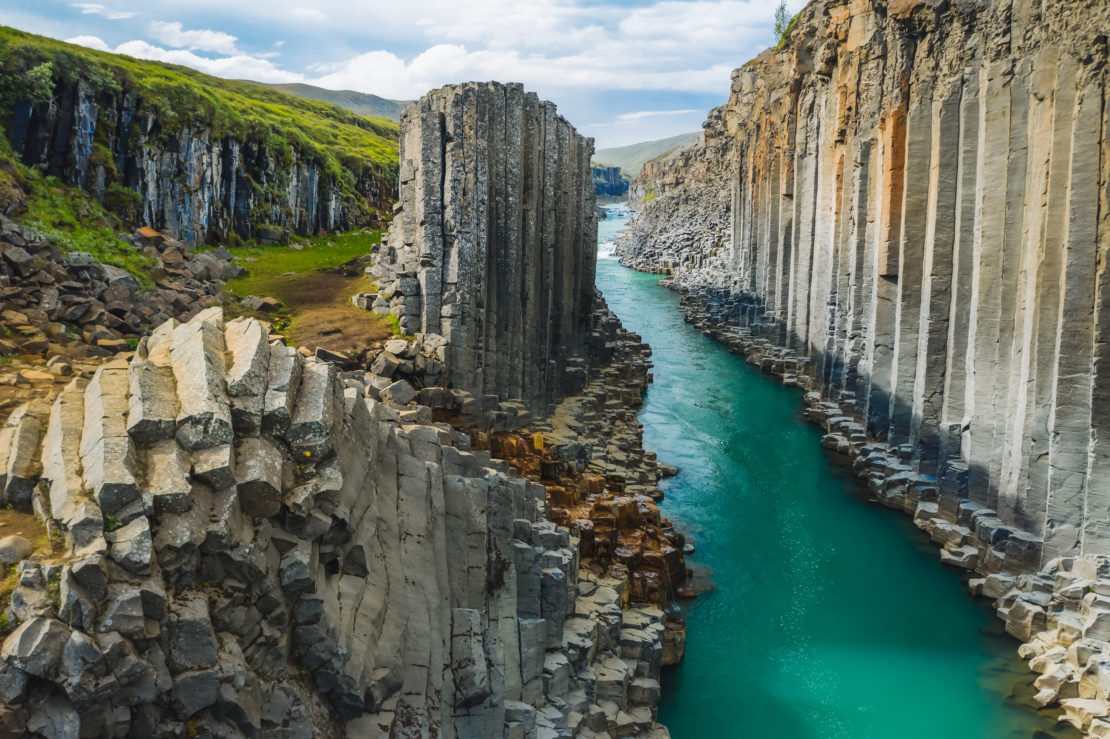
(632, 157)
(179, 96)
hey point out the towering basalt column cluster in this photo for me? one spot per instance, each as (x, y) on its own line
(920, 205)
(251, 543)
(494, 243)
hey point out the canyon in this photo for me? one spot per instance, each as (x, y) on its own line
(246, 540)
(903, 211)
(902, 214)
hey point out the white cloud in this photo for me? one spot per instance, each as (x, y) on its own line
(92, 42)
(655, 59)
(238, 66)
(175, 35)
(98, 9)
(640, 114)
(308, 14)
(384, 73)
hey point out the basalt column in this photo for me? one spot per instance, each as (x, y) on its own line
(918, 202)
(493, 245)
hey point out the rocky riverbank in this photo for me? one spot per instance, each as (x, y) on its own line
(899, 210)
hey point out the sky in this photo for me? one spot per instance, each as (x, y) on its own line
(622, 71)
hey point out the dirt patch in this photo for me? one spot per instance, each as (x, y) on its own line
(14, 523)
(29, 378)
(321, 313)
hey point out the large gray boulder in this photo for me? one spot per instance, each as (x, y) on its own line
(36, 646)
(13, 549)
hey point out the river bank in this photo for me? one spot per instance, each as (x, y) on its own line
(793, 639)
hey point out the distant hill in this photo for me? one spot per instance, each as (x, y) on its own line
(357, 102)
(632, 157)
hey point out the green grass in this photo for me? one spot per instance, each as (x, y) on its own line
(271, 263)
(349, 148)
(74, 221)
(784, 37)
(347, 145)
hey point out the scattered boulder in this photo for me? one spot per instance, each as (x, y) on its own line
(14, 549)
(262, 305)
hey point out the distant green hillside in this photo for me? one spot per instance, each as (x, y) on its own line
(357, 102)
(631, 158)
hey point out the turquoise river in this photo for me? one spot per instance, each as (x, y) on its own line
(831, 617)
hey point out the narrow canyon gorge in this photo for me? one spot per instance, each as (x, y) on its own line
(897, 229)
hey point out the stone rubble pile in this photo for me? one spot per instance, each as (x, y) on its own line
(600, 482)
(71, 305)
(257, 543)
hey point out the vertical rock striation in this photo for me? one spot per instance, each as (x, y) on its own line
(493, 244)
(200, 158)
(917, 204)
(608, 181)
(906, 210)
(353, 570)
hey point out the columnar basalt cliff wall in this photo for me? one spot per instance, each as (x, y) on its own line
(608, 182)
(916, 229)
(494, 247)
(195, 184)
(684, 201)
(255, 545)
(918, 203)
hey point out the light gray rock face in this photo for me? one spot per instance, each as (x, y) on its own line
(353, 544)
(19, 461)
(494, 244)
(200, 370)
(914, 228)
(915, 207)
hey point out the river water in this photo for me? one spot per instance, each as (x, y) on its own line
(831, 617)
